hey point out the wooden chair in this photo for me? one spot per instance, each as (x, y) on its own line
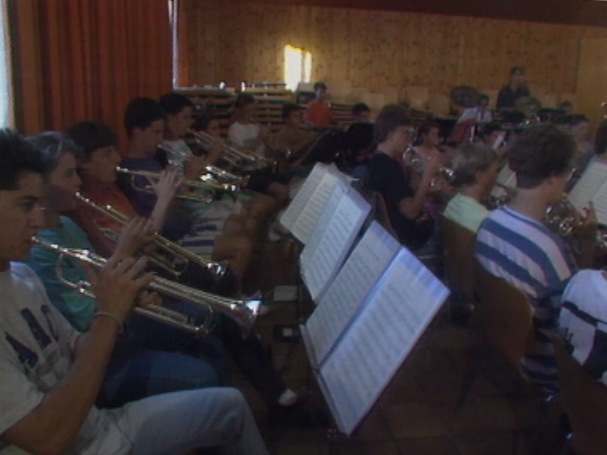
(417, 97)
(507, 316)
(458, 253)
(585, 401)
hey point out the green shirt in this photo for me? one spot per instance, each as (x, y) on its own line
(77, 308)
(466, 211)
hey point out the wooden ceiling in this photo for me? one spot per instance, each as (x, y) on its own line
(574, 12)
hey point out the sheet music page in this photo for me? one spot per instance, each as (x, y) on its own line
(316, 202)
(339, 304)
(332, 240)
(377, 342)
(507, 178)
(592, 187)
(289, 217)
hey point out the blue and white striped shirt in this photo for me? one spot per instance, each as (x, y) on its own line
(536, 261)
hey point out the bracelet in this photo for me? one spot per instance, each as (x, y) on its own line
(114, 318)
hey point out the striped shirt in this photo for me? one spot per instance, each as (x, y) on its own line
(536, 261)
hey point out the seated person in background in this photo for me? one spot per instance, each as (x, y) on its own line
(513, 243)
(579, 126)
(479, 114)
(151, 358)
(318, 111)
(566, 107)
(583, 321)
(245, 132)
(428, 141)
(361, 113)
(490, 133)
(476, 168)
(393, 131)
(293, 136)
(51, 374)
(264, 181)
(360, 146)
(252, 213)
(509, 94)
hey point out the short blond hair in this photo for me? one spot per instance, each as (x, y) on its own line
(469, 159)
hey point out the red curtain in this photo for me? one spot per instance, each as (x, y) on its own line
(85, 59)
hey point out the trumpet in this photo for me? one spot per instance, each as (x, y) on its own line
(244, 312)
(182, 256)
(191, 184)
(417, 161)
(233, 155)
(215, 175)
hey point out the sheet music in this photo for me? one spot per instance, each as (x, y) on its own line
(315, 204)
(343, 298)
(332, 240)
(293, 211)
(377, 342)
(592, 186)
(507, 178)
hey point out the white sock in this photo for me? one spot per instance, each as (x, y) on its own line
(288, 398)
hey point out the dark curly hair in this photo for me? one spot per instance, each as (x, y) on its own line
(540, 152)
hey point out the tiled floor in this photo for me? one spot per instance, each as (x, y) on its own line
(418, 413)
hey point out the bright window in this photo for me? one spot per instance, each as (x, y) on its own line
(6, 86)
(298, 66)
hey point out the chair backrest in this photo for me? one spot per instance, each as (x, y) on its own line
(585, 402)
(417, 97)
(382, 216)
(507, 316)
(458, 252)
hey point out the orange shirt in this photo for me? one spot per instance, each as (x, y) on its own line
(319, 113)
(89, 219)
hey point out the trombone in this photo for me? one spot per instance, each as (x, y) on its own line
(179, 253)
(244, 312)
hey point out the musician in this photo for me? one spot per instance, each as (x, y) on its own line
(583, 321)
(509, 94)
(566, 107)
(137, 368)
(97, 169)
(479, 114)
(245, 132)
(513, 244)
(393, 131)
(51, 374)
(361, 113)
(490, 133)
(146, 361)
(476, 168)
(318, 111)
(260, 180)
(429, 140)
(178, 110)
(293, 136)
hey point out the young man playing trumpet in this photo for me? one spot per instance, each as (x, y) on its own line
(51, 374)
(513, 243)
(152, 357)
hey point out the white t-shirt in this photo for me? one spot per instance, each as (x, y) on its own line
(36, 346)
(475, 113)
(244, 135)
(583, 321)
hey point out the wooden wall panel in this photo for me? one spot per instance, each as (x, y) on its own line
(378, 50)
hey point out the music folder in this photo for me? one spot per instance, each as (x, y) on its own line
(592, 187)
(305, 209)
(332, 238)
(367, 322)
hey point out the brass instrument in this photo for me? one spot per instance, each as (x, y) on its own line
(417, 162)
(214, 174)
(244, 312)
(234, 155)
(182, 256)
